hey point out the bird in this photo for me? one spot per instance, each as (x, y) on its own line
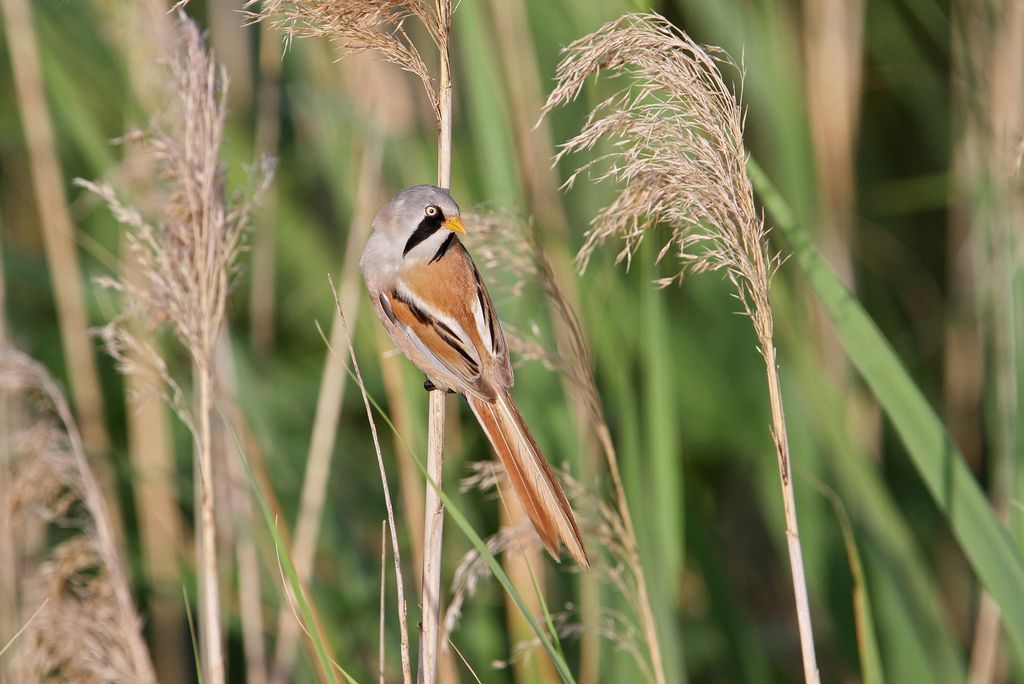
(428, 294)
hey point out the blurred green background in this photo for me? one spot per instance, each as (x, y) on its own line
(879, 122)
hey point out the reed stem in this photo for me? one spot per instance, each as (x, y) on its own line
(764, 328)
(433, 514)
(210, 635)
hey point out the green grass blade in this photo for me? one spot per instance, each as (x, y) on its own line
(192, 633)
(867, 640)
(936, 457)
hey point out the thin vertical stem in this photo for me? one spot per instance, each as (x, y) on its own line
(383, 579)
(433, 520)
(241, 520)
(796, 560)
(210, 634)
(999, 211)
(444, 96)
(162, 541)
(433, 515)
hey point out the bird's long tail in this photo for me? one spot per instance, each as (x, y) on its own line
(530, 475)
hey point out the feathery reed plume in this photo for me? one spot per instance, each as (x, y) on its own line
(187, 264)
(87, 628)
(379, 25)
(680, 158)
(513, 257)
(360, 25)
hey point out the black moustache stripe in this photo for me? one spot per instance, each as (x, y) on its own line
(443, 249)
(428, 226)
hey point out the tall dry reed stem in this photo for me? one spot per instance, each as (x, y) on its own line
(379, 25)
(240, 514)
(161, 536)
(187, 264)
(143, 34)
(88, 628)
(433, 513)
(679, 155)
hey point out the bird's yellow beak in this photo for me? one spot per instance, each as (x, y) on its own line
(454, 224)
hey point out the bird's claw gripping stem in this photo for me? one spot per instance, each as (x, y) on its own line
(430, 386)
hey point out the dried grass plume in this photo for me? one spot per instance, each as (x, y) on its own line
(675, 131)
(186, 263)
(187, 259)
(361, 25)
(676, 134)
(80, 623)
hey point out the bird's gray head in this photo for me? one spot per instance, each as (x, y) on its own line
(418, 221)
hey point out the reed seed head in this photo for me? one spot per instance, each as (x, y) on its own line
(675, 135)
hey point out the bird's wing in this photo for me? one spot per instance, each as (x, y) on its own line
(488, 325)
(448, 316)
(438, 337)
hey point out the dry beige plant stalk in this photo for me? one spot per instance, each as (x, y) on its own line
(84, 624)
(379, 25)
(187, 263)
(677, 135)
(142, 33)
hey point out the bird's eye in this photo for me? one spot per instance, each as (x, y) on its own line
(431, 210)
